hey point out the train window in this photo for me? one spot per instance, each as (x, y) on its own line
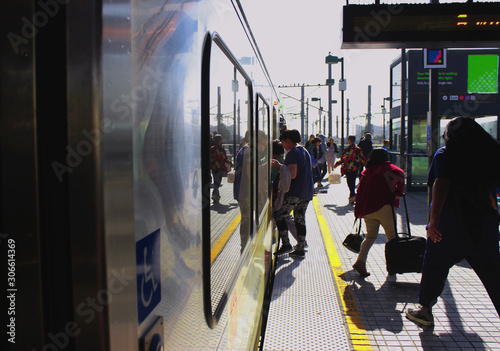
(274, 124)
(263, 154)
(227, 171)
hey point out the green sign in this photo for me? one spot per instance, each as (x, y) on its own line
(482, 74)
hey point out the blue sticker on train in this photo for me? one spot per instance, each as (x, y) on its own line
(147, 251)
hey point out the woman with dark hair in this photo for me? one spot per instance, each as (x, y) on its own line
(351, 160)
(380, 187)
(463, 215)
(299, 194)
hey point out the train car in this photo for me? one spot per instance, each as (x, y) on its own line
(109, 231)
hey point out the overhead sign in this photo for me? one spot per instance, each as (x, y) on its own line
(434, 58)
(449, 25)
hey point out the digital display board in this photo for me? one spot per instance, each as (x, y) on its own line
(450, 25)
(467, 77)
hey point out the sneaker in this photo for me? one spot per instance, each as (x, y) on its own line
(421, 315)
(351, 199)
(284, 249)
(304, 248)
(299, 253)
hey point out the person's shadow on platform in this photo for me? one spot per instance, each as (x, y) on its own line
(458, 334)
(283, 274)
(223, 209)
(340, 210)
(380, 304)
(385, 308)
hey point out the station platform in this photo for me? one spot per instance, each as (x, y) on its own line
(321, 303)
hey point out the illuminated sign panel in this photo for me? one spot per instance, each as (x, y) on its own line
(470, 77)
(482, 74)
(451, 25)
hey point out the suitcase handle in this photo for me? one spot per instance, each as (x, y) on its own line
(406, 213)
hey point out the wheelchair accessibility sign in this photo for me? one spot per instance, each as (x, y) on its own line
(147, 251)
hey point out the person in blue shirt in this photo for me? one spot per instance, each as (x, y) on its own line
(299, 194)
(464, 216)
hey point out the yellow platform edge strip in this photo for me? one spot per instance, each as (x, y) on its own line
(216, 249)
(357, 335)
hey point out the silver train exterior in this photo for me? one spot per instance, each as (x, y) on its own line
(107, 225)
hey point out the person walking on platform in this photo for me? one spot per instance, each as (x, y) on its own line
(366, 144)
(281, 180)
(309, 142)
(321, 159)
(331, 154)
(351, 160)
(380, 187)
(299, 194)
(314, 153)
(464, 216)
(218, 163)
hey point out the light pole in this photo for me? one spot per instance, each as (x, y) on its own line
(342, 87)
(330, 82)
(320, 110)
(330, 133)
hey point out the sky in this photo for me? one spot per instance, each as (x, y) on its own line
(295, 36)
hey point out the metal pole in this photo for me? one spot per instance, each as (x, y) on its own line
(347, 118)
(219, 114)
(432, 122)
(330, 101)
(302, 111)
(319, 117)
(337, 126)
(235, 90)
(342, 107)
(239, 118)
(307, 121)
(369, 113)
(403, 110)
(383, 122)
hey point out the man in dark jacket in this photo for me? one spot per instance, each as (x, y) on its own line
(366, 144)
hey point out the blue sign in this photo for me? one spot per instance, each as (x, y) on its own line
(147, 252)
(434, 58)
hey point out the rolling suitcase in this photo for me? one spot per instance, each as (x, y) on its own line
(405, 253)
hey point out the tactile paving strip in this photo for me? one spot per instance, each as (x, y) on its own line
(304, 313)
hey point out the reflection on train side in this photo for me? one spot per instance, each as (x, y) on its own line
(230, 224)
(263, 166)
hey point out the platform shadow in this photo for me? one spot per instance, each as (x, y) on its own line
(378, 308)
(222, 208)
(340, 210)
(283, 274)
(384, 308)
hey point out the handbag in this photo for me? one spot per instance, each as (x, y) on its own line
(230, 176)
(352, 242)
(334, 178)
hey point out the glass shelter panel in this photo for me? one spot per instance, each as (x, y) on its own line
(396, 85)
